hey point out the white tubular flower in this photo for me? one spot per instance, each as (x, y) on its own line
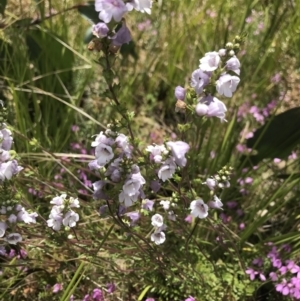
(70, 219)
(13, 238)
(128, 200)
(158, 237)
(58, 200)
(234, 65)
(26, 217)
(55, 218)
(103, 153)
(211, 183)
(157, 220)
(167, 170)
(227, 84)
(210, 61)
(74, 203)
(199, 209)
(140, 5)
(157, 152)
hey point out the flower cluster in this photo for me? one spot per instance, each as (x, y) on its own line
(8, 166)
(169, 157)
(113, 154)
(218, 71)
(62, 213)
(11, 215)
(116, 9)
(284, 274)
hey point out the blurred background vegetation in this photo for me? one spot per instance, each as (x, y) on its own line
(51, 83)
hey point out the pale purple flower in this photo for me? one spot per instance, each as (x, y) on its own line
(3, 227)
(179, 149)
(216, 108)
(59, 200)
(111, 287)
(258, 261)
(150, 299)
(233, 64)
(55, 218)
(252, 273)
(147, 205)
(98, 190)
(57, 287)
(104, 153)
(26, 217)
(70, 219)
(13, 238)
(140, 5)
(114, 170)
(189, 219)
(8, 169)
(93, 165)
(158, 237)
(227, 84)
(110, 9)
(102, 139)
(100, 30)
(190, 298)
(199, 208)
(180, 93)
(157, 220)
(6, 139)
(122, 142)
(199, 80)
(97, 295)
(12, 219)
(273, 276)
(283, 287)
(167, 170)
(216, 203)
(4, 155)
(134, 217)
(133, 184)
(123, 36)
(128, 200)
(210, 61)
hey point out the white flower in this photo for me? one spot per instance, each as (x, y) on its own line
(165, 204)
(3, 227)
(210, 61)
(167, 170)
(222, 52)
(26, 217)
(140, 5)
(227, 84)
(157, 220)
(156, 152)
(8, 169)
(158, 237)
(216, 204)
(104, 153)
(110, 9)
(74, 203)
(179, 149)
(13, 238)
(199, 208)
(211, 183)
(217, 108)
(70, 219)
(59, 200)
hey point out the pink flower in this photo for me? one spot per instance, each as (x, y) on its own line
(110, 9)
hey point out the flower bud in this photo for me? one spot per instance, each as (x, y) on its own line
(229, 46)
(231, 53)
(201, 109)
